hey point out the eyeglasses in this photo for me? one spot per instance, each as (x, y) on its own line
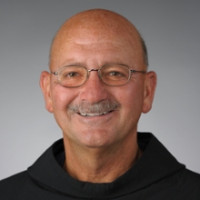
(112, 75)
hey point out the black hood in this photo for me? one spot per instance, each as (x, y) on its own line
(155, 164)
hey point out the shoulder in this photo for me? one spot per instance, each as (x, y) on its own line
(11, 186)
(186, 184)
(191, 178)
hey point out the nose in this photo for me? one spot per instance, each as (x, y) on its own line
(94, 90)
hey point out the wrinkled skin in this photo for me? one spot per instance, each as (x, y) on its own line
(105, 38)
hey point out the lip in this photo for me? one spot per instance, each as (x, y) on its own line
(94, 114)
(96, 119)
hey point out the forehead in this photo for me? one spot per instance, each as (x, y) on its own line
(97, 34)
(83, 47)
(97, 53)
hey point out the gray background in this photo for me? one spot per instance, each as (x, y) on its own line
(171, 29)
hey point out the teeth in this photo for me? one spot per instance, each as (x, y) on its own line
(92, 114)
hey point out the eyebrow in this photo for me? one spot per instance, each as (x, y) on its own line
(73, 64)
(84, 65)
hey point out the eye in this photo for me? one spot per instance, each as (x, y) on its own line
(115, 73)
(71, 74)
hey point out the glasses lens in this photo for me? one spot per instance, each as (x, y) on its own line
(114, 74)
(72, 76)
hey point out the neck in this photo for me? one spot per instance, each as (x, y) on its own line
(100, 165)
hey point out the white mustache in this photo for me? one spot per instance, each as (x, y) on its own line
(94, 109)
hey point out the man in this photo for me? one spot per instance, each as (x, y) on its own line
(97, 88)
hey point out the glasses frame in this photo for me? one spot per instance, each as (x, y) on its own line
(131, 71)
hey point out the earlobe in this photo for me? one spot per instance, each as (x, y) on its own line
(149, 91)
(45, 86)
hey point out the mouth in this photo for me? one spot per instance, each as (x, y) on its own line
(99, 109)
(83, 114)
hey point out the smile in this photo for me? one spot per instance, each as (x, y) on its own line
(86, 109)
(93, 114)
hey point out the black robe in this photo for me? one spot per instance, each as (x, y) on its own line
(155, 176)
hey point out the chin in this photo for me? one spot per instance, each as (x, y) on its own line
(96, 139)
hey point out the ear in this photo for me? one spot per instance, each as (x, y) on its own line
(45, 83)
(149, 91)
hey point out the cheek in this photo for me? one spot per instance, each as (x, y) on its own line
(131, 96)
(61, 98)
(131, 101)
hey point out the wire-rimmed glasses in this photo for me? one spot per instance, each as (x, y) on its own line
(112, 75)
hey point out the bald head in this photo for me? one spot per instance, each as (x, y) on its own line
(99, 25)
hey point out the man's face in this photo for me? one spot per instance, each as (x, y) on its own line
(97, 129)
